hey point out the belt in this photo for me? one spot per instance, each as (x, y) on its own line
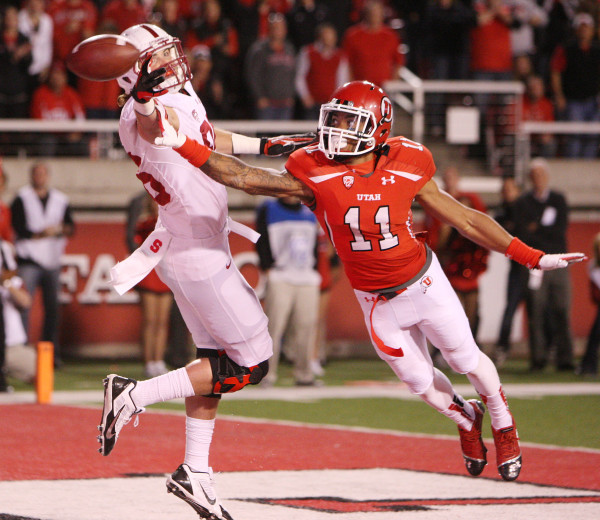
(392, 292)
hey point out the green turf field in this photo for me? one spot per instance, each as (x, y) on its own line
(559, 420)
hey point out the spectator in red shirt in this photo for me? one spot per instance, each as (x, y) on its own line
(538, 107)
(74, 21)
(320, 68)
(491, 51)
(57, 101)
(372, 47)
(124, 13)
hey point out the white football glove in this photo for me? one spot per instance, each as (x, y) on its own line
(549, 262)
(170, 137)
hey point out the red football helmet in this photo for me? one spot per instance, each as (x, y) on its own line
(359, 114)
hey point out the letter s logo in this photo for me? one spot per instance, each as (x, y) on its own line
(156, 245)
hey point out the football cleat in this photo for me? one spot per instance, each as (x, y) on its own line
(471, 443)
(197, 489)
(508, 451)
(118, 410)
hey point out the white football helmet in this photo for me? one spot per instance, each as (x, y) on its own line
(150, 39)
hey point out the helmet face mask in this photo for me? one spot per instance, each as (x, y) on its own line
(356, 121)
(166, 52)
(345, 130)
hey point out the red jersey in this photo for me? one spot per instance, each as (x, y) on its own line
(73, 22)
(321, 77)
(540, 110)
(47, 104)
(122, 15)
(6, 230)
(368, 214)
(491, 49)
(373, 55)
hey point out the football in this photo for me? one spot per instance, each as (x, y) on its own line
(102, 57)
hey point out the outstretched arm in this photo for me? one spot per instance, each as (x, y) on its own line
(485, 231)
(473, 224)
(232, 172)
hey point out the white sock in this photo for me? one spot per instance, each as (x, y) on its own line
(485, 377)
(498, 409)
(172, 385)
(198, 436)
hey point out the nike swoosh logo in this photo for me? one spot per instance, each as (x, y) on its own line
(110, 432)
(213, 501)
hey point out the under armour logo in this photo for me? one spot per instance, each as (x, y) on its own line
(391, 180)
(370, 298)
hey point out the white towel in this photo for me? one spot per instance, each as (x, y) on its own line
(136, 266)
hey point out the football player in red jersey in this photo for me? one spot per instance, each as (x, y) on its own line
(360, 182)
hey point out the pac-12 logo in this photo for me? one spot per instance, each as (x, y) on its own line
(348, 181)
(426, 283)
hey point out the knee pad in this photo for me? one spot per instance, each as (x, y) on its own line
(229, 377)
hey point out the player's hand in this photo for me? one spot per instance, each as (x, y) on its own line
(143, 90)
(285, 144)
(549, 262)
(170, 137)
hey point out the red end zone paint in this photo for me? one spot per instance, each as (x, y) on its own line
(59, 442)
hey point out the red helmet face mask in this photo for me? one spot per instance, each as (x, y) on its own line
(357, 120)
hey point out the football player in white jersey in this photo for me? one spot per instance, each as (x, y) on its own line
(190, 251)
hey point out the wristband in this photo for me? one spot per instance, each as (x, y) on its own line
(144, 109)
(196, 153)
(523, 254)
(245, 144)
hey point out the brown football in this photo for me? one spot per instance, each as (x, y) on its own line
(102, 57)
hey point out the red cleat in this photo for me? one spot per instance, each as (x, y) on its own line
(471, 443)
(508, 451)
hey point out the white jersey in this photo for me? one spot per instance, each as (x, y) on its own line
(191, 205)
(190, 247)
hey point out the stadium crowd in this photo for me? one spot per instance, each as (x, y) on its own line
(275, 59)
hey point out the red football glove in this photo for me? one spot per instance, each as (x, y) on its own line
(143, 91)
(285, 144)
